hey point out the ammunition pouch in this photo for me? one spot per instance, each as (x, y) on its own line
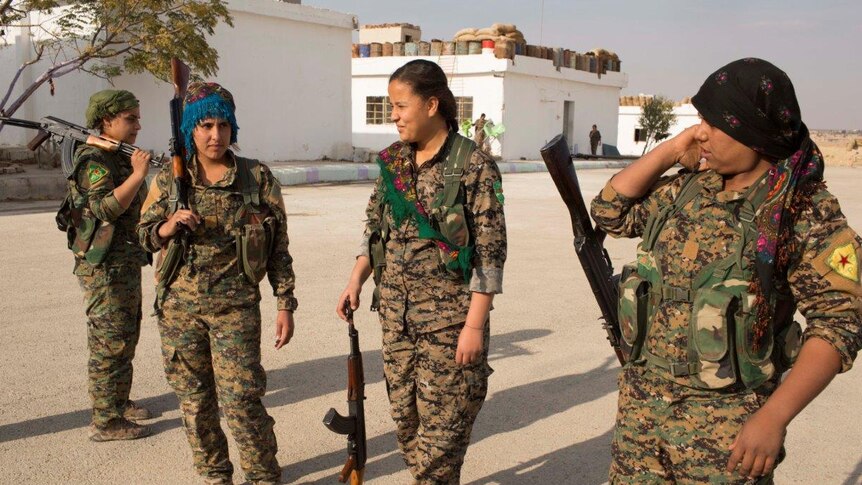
(168, 264)
(635, 308)
(254, 243)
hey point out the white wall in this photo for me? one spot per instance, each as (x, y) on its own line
(388, 34)
(535, 98)
(527, 95)
(287, 65)
(686, 116)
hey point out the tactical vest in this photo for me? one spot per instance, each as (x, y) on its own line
(254, 242)
(722, 350)
(446, 214)
(88, 237)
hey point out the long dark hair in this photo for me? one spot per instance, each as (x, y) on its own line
(428, 80)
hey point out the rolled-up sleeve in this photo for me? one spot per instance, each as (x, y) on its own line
(621, 216)
(154, 212)
(826, 281)
(485, 200)
(279, 267)
(373, 217)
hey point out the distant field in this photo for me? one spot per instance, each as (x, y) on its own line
(836, 147)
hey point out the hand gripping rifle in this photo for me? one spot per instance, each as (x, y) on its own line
(69, 135)
(354, 424)
(588, 241)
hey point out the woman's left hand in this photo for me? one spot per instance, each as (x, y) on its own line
(470, 344)
(757, 445)
(283, 328)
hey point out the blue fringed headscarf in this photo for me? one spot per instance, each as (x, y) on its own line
(203, 101)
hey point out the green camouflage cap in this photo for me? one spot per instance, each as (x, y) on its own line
(107, 103)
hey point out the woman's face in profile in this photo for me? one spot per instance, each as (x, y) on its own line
(722, 153)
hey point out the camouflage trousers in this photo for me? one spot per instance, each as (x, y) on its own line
(433, 400)
(112, 300)
(669, 433)
(213, 357)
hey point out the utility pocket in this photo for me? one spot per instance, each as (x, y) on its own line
(754, 353)
(168, 263)
(712, 322)
(633, 310)
(788, 341)
(253, 246)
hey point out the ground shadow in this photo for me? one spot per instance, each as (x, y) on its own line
(287, 385)
(583, 463)
(506, 411)
(855, 475)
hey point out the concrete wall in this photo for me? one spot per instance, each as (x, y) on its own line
(388, 34)
(527, 95)
(686, 116)
(287, 65)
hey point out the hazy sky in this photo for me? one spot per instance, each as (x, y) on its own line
(670, 46)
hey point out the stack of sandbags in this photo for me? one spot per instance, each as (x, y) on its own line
(496, 32)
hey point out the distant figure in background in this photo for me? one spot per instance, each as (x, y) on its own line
(595, 139)
(479, 136)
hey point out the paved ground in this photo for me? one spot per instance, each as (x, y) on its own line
(548, 417)
(34, 183)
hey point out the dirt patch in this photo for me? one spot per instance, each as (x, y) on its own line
(840, 148)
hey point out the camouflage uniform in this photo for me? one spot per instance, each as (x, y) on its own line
(668, 427)
(112, 289)
(435, 401)
(595, 139)
(480, 136)
(210, 322)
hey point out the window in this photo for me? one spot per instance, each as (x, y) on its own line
(464, 110)
(640, 135)
(377, 110)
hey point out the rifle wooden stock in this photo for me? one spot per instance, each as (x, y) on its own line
(353, 425)
(588, 240)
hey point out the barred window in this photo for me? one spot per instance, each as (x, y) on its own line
(640, 135)
(465, 108)
(377, 110)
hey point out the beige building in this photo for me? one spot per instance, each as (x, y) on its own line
(402, 32)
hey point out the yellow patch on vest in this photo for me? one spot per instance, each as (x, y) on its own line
(843, 261)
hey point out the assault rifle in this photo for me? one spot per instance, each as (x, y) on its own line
(588, 241)
(180, 79)
(69, 136)
(354, 424)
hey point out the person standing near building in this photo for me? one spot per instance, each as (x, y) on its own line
(106, 192)
(595, 139)
(480, 137)
(434, 286)
(208, 302)
(731, 248)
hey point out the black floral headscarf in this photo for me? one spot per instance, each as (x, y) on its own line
(754, 102)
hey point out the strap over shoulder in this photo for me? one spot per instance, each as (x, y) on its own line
(456, 161)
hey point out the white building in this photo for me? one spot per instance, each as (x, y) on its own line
(534, 100)
(630, 138)
(287, 65)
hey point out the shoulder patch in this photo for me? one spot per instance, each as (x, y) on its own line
(498, 191)
(96, 172)
(843, 260)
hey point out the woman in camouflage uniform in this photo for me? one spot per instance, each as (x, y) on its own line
(437, 275)
(107, 192)
(208, 302)
(731, 247)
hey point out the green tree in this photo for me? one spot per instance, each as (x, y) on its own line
(109, 37)
(656, 119)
